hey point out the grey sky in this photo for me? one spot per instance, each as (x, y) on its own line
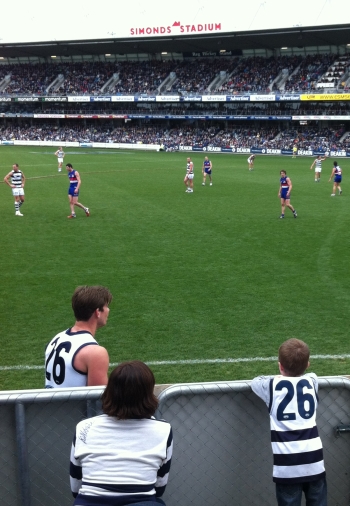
(68, 20)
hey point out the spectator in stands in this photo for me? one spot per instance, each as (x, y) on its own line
(292, 400)
(123, 456)
(73, 357)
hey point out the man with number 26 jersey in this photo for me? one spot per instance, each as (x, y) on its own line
(292, 400)
(73, 358)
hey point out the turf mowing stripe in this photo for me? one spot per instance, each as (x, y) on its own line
(189, 362)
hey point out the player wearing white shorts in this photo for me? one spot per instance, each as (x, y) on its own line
(60, 156)
(15, 179)
(250, 161)
(318, 167)
(189, 176)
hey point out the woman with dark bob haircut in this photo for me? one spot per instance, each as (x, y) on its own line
(123, 456)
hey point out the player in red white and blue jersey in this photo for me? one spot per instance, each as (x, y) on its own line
(337, 174)
(207, 166)
(284, 193)
(73, 191)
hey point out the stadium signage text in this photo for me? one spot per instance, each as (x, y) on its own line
(122, 98)
(338, 153)
(54, 99)
(176, 28)
(211, 148)
(191, 98)
(241, 150)
(326, 96)
(305, 152)
(27, 99)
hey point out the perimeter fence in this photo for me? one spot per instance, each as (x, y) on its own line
(222, 452)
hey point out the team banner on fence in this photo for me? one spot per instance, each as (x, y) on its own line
(318, 97)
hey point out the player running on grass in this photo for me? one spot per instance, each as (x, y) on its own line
(337, 174)
(284, 193)
(73, 191)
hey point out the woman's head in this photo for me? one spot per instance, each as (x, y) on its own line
(129, 392)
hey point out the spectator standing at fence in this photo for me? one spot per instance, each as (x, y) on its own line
(337, 174)
(15, 179)
(318, 167)
(73, 357)
(250, 161)
(292, 399)
(189, 176)
(206, 170)
(285, 192)
(123, 456)
(73, 191)
(60, 156)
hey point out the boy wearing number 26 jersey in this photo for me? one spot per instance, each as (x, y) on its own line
(292, 400)
(73, 357)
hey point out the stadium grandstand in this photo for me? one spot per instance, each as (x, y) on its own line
(267, 89)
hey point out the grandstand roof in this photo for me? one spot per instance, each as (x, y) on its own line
(332, 35)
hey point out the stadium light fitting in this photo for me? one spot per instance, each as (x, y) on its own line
(53, 56)
(284, 48)
(164, 52)
(108, 54)
(222, 50)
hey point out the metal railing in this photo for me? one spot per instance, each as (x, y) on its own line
(222, 452)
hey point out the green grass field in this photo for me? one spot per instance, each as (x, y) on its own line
(197, 279)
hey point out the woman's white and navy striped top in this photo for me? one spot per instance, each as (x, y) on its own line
(121, 458)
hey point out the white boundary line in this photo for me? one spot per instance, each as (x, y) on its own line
(188, 362)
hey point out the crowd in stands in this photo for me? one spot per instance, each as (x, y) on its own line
(310, 70)
(141, 77)
(195, 77)
(255, 74)
(235, 135)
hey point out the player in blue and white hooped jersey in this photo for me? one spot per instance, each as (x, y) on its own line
(292, 399)
(73, 191)
(60, 156)
(318, 167)
(188, 180)
(337, 174)
(284, 193)
(250, 161)
(15, 179)
(206, 170)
